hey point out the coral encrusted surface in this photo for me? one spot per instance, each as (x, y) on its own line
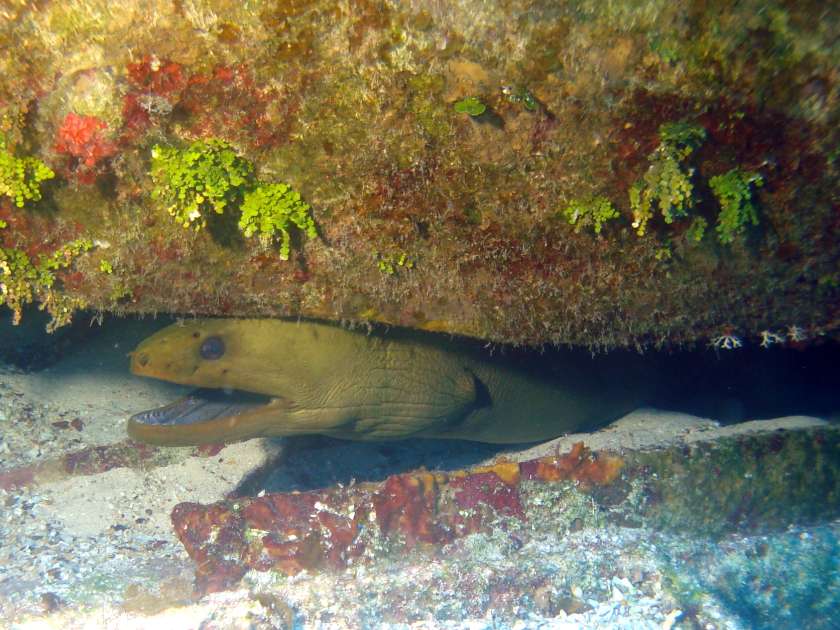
(536, 172)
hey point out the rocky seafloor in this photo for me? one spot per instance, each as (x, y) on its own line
(701, 526)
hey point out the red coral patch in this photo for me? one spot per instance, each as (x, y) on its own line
(81, 138)
(486, 488)
(579, 464)
(406, 503)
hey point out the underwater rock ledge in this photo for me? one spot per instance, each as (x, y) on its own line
(756, 482)
(535, 172)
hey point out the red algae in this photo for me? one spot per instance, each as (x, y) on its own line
(223, 101)
(332, 528)
(341, 526)
(82, 138)
(18, 477)
(486, 488)
(406, 504)
(218, 563)
(579, 464)
(157, 76)
(227, 102)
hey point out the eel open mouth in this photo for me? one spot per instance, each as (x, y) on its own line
(202, 405)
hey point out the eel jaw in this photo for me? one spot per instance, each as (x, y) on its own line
(205, 416)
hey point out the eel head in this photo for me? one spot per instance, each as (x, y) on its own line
(236, 370)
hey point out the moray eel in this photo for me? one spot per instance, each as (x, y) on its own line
(309, 378)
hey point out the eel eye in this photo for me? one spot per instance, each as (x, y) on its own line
(212, 348)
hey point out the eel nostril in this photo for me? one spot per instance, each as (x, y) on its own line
(143, 359)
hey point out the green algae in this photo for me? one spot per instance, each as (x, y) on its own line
(733, 190)
(20, 178)
(23, 281)
(471, 105)
(267, 211)
(593, 212)
(212, 176)
(391, 263)
(667, 183)
(425, 93)
(203, 177)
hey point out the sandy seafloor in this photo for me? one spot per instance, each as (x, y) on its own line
(98, 551)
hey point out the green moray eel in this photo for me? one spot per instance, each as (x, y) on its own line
(311, 378)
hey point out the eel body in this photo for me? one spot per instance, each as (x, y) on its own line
(311, 378)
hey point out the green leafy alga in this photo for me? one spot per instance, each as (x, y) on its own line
(521, 95)
(697, 229)
(595, 212)
(267, 211)
(667, 182)
(470, 105)
(22, 281)
(207, 175)
(20, 178)
(391, 263)
(733, 191)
